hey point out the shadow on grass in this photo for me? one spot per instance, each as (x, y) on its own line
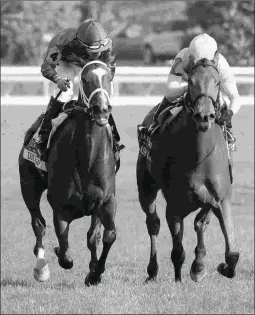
(15, 283)
(64, 285)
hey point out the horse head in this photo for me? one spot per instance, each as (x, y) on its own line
(95, 87)
(203, 92)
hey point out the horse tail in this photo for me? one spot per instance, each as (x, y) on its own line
(31, 131)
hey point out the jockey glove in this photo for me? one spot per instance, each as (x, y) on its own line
(62, 84)
(226, 115)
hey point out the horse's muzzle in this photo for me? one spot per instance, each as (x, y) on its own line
(204, 121)
(204, 126)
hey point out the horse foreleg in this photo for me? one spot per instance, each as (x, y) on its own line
(107, 216)
(223, 213)
(175, 224)
(93, 239)
(61, 225)
(147, 193)
(197, 271)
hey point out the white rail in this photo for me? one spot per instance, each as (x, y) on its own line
(152, 75)
(115, 101)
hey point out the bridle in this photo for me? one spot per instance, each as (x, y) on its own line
(84, 97)
(193, 102)
(87, 100)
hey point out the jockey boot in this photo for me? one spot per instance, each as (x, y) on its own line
(117, 145)
(163, 105)
(52, 111)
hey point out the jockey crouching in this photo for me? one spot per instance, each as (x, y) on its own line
(201, 46)
(61, 65)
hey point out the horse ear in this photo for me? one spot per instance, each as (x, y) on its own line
(216, 58)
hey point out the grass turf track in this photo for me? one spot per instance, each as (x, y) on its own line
(122, 289)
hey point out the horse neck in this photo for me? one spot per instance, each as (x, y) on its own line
(197, 145)
(205, 143)
(94, 142)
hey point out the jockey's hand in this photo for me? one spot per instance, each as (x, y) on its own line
(63, 83)
(226, 115)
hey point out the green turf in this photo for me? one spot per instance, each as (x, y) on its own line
(122, 289)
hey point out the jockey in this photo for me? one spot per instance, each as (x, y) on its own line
(61, 65)
(201, 46)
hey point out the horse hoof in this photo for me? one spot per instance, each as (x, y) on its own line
(199, 276)
(92, 280)
(226, 271)
(150, 279)
(42, 271)
(64, 262)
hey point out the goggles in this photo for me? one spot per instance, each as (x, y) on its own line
(95, 46)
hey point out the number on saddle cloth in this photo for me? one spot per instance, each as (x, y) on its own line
(144, 141)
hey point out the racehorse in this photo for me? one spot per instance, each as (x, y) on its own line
(190, 165)
(81, 176)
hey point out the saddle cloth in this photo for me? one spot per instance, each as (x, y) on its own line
(31, 152)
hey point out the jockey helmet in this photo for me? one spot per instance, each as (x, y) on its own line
(93, 36)
(202, 46)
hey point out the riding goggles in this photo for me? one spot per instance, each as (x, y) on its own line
(96, 46)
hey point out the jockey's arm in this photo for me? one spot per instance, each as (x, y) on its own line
(228, 85)
(177, 84)
(48, 71)
(54, 53)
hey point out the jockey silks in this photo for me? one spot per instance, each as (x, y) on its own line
(65, 47)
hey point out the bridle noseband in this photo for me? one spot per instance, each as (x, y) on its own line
(192, 102)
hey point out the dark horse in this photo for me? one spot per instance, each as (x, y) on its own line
(190, 165)
(80, 179)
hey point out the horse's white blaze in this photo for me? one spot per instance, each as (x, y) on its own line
(99, 72)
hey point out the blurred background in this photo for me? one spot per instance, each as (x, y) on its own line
(146, 32)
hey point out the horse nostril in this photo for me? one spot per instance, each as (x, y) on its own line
(206, 118)
(197, 117)
(212, 116)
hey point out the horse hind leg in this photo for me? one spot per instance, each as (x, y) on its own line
(223, 213)
(107, 216)
(147, 193)
(197, 271)
(32, 188)
(175, 224)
